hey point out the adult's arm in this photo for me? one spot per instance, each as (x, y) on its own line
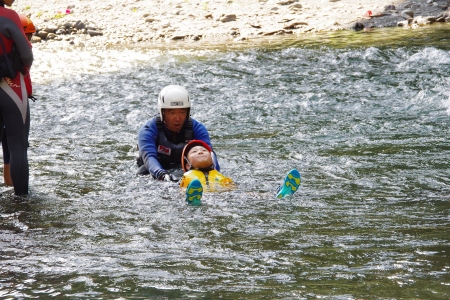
(12, 29)
(147, 140)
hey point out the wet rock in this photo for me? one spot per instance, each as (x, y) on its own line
(240, 39)
(358, 26)
(178, 37)
(407, 13)
(286, 2)
(295, 25)
(50, 29)
(389, 7)
(227, 18)
(94, 33)
(234, 31)
(295, 7)
(261, 19)
(79, 25)
(421, 21)
(35, 39)
(255, 25)
(61, 31)
(440, 19)
(402, 23)
(275, 32)
(51, 36)
(42, 34)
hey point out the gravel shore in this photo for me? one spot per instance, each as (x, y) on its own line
(113, 22)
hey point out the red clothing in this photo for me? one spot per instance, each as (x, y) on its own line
(14, 106)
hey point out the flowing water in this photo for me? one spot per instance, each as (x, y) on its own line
(364, 116)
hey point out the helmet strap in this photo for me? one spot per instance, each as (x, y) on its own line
(188, 163)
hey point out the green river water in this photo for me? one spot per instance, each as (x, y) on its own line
(364, 117)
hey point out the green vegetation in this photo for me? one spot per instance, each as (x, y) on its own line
(59, 15)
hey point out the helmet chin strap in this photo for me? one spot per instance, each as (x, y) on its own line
(187, 161)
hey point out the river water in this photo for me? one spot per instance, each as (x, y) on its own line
(364, 116)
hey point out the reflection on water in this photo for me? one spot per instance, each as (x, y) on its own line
(363, 118)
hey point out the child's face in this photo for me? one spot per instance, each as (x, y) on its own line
(199, 157)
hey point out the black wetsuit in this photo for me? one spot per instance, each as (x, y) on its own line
(14, 106)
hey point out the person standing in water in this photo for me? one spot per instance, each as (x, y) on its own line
(162, 139)
(29, 29)
(16, 58)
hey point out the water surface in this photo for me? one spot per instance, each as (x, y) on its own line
(364, 117)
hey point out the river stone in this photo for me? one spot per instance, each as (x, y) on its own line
(42, 34)
(286, 2)
(407, 13)
(94, 33)
(61, 31)
(405, 22)
(389, 7)
(424, 20)
(358, 26)
(296, 6)
(178, 37)
(294, 25)
(51, 36)
(79, 25)
(227, 18)
(35, 39)
(51, 29)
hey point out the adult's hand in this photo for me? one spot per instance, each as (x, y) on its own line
(166, 178)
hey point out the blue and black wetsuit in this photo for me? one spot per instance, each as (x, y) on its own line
(160, 149)
(14, 106)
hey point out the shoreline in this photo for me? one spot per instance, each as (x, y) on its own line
(108, 23)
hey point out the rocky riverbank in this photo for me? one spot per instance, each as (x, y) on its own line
(112, 22)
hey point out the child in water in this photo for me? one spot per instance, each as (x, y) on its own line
(201, 174)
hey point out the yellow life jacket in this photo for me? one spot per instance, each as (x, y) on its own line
(212, 181)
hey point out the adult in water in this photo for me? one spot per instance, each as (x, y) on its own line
(16, 58)
(29, 29)
(162, 139)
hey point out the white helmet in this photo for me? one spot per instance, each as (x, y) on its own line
(171, 97)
